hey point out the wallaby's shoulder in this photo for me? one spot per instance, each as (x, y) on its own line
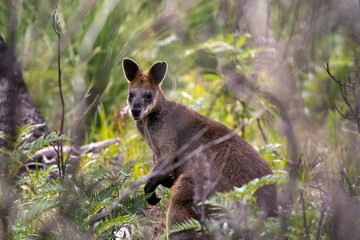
(180, 113)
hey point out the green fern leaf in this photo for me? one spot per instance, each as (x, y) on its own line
(107, 224)
(21, 154)
(186, 225)
(247, 191)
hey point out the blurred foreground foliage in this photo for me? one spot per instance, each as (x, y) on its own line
(38, 204)
(255, 66)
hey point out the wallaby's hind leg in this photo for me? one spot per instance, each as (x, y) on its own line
(180, 207)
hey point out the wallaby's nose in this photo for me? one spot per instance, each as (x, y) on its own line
(136, 111)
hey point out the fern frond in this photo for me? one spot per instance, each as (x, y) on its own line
(246, 191)
(33, 210)
(132, 203)
(42, 142)
(48, 190)
(20, 155)
(24, 132)
(219, 203)
(104, 225)
(95, 207)
(125, 170)
(186, 225)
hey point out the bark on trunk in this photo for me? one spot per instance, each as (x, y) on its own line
(16, 105)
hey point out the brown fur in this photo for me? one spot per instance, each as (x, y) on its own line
(209, 156)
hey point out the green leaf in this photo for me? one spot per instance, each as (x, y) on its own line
(186, 225)
(246, 191)
(107, 224)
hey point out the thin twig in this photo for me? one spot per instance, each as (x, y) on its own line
(344, 95)
(323, 213)
(350, 185)
(266, 139)
(351, 86)
(268, 16)
(56, 26)
(345, 117)
(327, 69)
(57, 157)
(262, 131)
(86, 111)
(292, 31)
(318, 188)
(357, 75)
(87, 94)
(319, 229)
(304, 214)
(209, 110)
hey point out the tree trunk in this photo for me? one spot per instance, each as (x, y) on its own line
(16, 106)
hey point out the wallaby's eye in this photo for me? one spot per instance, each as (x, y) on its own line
(149, 96)
(130, 94)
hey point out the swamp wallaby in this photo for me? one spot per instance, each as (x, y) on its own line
(194, 155)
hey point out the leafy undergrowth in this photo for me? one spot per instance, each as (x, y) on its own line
(38, 203)
(100, 202)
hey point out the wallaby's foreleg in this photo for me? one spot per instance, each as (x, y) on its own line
(167, 182)
(161, 177)
(161, 174)
(150, 186)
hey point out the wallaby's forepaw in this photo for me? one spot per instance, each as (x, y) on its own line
(153, 199)
(150, 187)
(168, 182)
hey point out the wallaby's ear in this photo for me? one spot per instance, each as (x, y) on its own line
(157, 72)
(131, 69)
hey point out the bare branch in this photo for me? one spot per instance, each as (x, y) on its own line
(87, 94)
(345, 117)
(304, 214)
(56, 151)
(320, 225)
(218, 94)
(78, 123)
(349, 78)
(56, 26)
(354, 108)
(265, 138)
(76, 127)
(262, 131)
(357, 75)
(327, 69)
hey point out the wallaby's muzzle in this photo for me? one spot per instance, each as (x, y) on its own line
(136, 112)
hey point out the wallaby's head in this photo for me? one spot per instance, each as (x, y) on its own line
(144, 90)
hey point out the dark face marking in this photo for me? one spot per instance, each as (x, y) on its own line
(141, 102)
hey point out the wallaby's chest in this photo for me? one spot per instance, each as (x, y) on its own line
(152, 130)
